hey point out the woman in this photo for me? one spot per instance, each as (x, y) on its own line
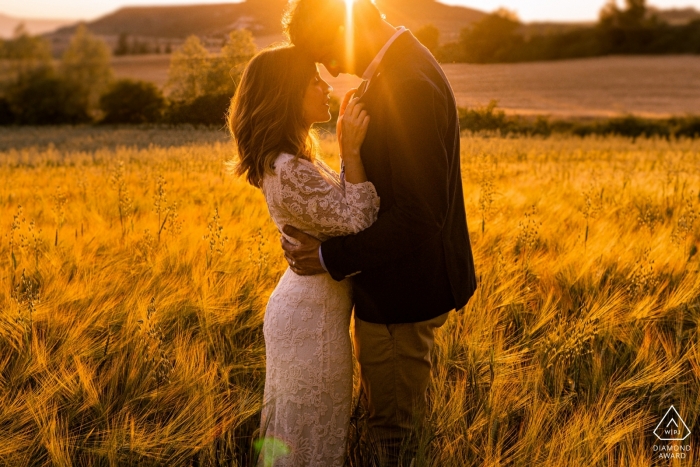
(308, 386)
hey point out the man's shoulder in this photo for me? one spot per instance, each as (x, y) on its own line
(404, 89)
(411, 65)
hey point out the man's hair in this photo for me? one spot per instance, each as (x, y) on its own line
(315, 24)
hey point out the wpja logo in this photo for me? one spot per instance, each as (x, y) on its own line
(672, 428)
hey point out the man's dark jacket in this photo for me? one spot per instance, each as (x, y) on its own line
(415, 262)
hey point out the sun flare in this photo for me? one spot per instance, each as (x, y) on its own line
(349, 37)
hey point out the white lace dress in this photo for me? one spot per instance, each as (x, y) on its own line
(308, 383)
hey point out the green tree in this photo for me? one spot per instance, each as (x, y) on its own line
(86, 65)
(129, 101)
(633, 16)
(491, 39)
(188, 67)
(194, 72)
(25, 53)
(41, 97)
(227, 69)
(630, 30)
(429, 36)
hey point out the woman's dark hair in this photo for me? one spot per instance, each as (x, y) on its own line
(266, 114)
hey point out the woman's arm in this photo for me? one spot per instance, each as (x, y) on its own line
(317, 204)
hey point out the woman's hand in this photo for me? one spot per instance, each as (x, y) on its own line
(353, 129)
(343, 106)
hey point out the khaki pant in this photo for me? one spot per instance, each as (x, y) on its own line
(395, 370)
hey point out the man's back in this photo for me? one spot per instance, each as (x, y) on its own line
(415, 263)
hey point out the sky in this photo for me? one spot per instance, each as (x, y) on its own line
(561, 10)
(528, 10)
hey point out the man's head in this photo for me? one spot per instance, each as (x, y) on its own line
(337, 33)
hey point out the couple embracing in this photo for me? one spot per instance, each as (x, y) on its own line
(387, 236)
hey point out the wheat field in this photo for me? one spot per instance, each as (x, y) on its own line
(135, 273)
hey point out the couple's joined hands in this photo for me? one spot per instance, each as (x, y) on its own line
(351, 129)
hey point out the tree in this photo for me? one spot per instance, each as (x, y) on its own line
(141, 47)
(122, 45)
(86, 65)
(633, 16)
(429, 36)
(636, 12)
(627, 31)
(33, 93)
(235, 54)
(129, 101)
(194, 72)
(209, 109)
(188, 66)
(492, 38)
(7, 116)
(41, 97)
(25, 53)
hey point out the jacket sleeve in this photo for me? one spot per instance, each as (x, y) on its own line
(419, 169)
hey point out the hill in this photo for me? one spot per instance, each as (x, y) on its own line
(450, 20)
(34, 26)
(262, 17)
(676, 16)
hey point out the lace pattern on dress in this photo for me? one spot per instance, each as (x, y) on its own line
(308, 383)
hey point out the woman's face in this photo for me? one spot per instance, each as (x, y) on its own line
(317, 101)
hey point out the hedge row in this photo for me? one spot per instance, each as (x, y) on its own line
(45, 99)
(490, 118)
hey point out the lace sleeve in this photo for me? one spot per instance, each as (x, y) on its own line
(324, 206)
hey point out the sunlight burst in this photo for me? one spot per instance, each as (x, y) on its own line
(349, 37)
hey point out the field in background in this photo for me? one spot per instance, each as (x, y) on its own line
(598, 87)
(154, 67)
(135, 274)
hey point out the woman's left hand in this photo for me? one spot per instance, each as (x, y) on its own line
(354, 129)
(343, 106)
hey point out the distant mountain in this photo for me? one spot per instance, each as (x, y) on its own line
(34, 26)
(263, 17)
(677, 16)
(450, 20)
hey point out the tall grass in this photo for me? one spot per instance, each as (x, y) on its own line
(131, 318)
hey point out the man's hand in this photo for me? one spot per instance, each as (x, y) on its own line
(303, 258)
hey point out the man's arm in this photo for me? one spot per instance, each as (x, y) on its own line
(420, 181)
(304, 258)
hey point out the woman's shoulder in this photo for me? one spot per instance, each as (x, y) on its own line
(287, 161)
(291, 169)
(281, 159)
(282, 162)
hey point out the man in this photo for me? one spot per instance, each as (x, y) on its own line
(414, 264)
